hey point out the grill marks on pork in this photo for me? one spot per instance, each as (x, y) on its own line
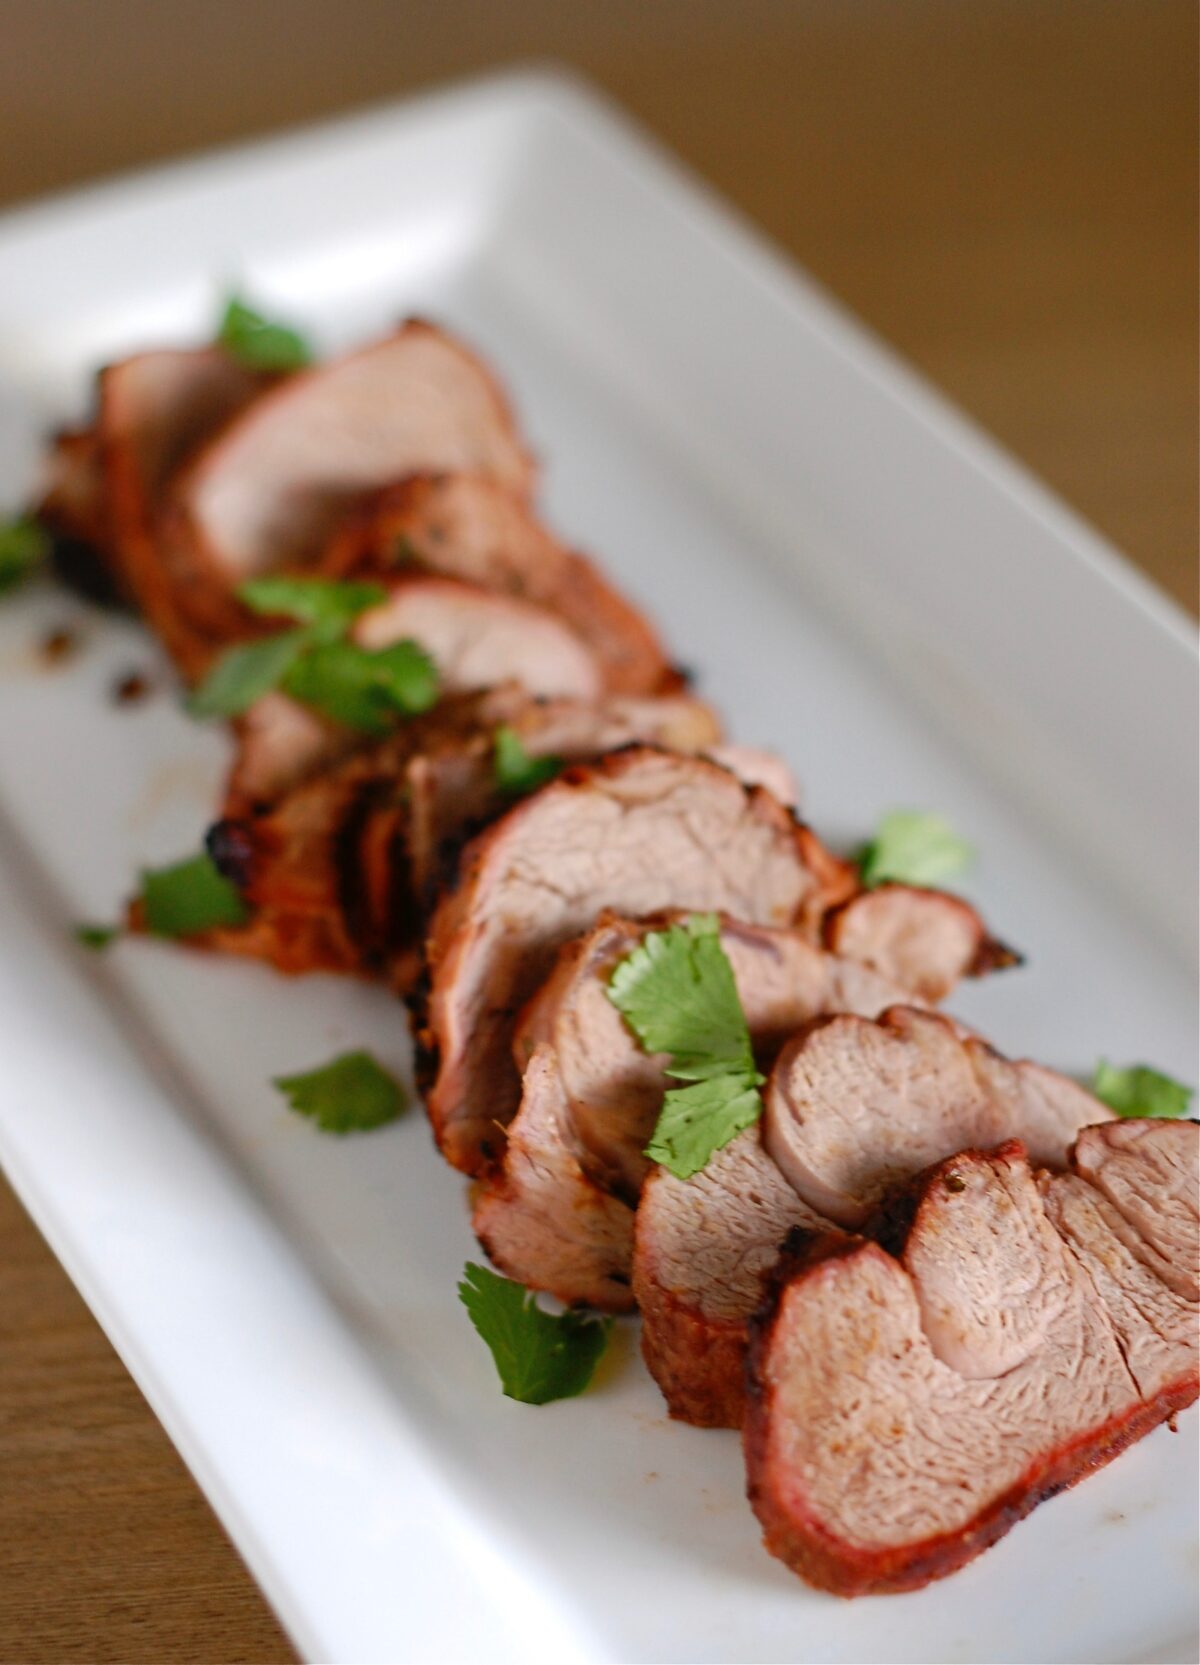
(590, 1098)
(857, 1107)
(854, 1107)
(877, 1463)
(267, 492)
(639, 831)
(365, 844)
(477, 529)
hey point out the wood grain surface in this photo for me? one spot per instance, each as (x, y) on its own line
(1005, 190)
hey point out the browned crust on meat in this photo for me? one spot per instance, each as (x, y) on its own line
(699, 1363)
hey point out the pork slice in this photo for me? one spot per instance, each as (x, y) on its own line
(875, 1464)
(638, 831)
(924, 940)
(153, 410)
(72, 507)
(540, 1219)
(478, 639)
(759, 767)
(364, 843)
(267, 491)
(854, 1106)
(478, 529)
(584, 1138)
(851, 1131)
(615, 1090)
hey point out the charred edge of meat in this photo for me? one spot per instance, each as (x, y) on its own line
(994, 955)
(354, 902)
(233, 848)
(82, 568)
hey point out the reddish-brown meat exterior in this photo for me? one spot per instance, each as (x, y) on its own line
(924, 940)
(873, 1464)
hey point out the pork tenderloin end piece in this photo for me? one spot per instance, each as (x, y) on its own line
(639, 831)
(924, 940)
(875, 1465)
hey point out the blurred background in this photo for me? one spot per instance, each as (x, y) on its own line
(1004, 189)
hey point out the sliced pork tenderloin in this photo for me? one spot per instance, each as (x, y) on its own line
(925, 940)
(853, 1107)
(267, 491)
(905, 1411)
(638, 831)
(364, 844)
(574, 1149)
(476, 528)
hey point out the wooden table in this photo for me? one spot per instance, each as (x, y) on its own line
(1006, 191)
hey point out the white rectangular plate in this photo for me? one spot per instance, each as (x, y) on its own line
(863, 582)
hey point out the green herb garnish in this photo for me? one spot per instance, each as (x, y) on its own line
(1138, 1090)
(189, 897)
(515, 770)
(540, 1356)
(245, 673)
(259, 343)
(363, 689)
(328, 603)
(316, 664)
(96, 937)
(351, 1094)
(913, 847)
(24, 546)
(677, 992)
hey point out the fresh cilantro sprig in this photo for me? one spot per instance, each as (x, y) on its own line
(1138, 1090)
(261, 343)
(316, 663)
(96, 937)
(677, 993)
(540, 1356)
(189, 897)
(913, 847)
(24, 546)
(350, 1094)
(515, 770)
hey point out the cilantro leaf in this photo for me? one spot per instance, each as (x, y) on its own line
(699, 1120)
(363, 689)
(24, 545)
(677, 993)
(1138, 1090)
(245, 673)
(258, 343)
(96, 937)
(515, 770)
(913, 847)
(350, 1094)
(327, 603)
(540, 1356)
(189, 897)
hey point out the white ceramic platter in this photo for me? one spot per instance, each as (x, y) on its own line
(862, 581)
